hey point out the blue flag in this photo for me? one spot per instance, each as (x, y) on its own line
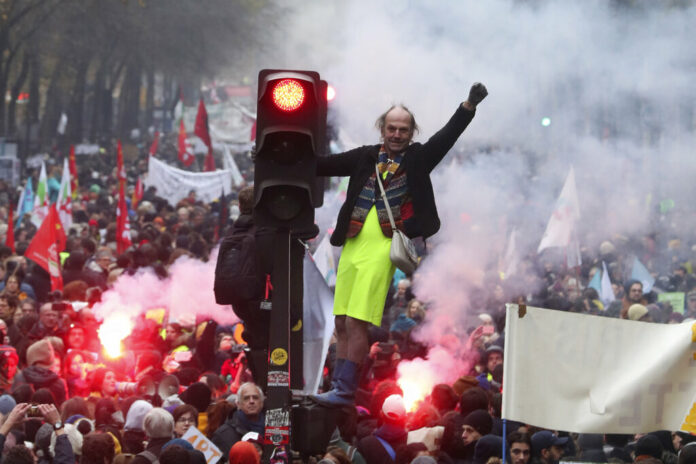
(26, 202)
(641, 274)
(596, 281)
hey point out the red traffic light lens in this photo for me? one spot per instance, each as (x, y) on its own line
(288, 95)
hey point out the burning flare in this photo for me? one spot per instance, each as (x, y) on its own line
(115, 328)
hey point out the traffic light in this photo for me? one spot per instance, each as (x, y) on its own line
(290, 133)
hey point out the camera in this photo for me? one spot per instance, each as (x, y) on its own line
(34, 411)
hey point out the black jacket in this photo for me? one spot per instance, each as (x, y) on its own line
(231, 432)
(419, 161)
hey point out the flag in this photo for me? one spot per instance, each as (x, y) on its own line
(123, 239)
(641, 274)
(606, 293)
(73, 173)
(599, 374)
(562, 222)
(25, 205)
(62, 123)
(137, 193)
(9, 237)
(596, 282)
(202, 131)
(511, 260)
(64, 203)
(45, 246)
(185, 156)
(324, 261)
(40, 210)
(155, 144)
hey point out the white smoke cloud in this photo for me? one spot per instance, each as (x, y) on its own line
(615, 82)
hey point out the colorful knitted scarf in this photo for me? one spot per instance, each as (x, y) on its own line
(395, 188)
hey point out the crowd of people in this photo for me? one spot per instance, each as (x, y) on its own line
(64, 401)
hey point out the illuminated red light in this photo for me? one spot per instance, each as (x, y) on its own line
(288, 95)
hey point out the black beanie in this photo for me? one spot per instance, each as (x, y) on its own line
(649, 445)
(197, 395)
(480, 420)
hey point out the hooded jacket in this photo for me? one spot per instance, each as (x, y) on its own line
(40, 377)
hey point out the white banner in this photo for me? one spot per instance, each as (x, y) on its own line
(173, 184)
(592, 374)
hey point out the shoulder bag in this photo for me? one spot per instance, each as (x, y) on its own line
(402, 253)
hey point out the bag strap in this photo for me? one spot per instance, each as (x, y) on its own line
(387, 446)
(384, 199)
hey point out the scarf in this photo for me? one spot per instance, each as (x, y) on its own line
(249, 425)
(394, 182)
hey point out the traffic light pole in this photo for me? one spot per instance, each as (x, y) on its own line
(285, 339)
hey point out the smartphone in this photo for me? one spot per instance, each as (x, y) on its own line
(488, 330)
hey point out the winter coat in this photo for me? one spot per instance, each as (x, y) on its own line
(374, 452)
(232, 431)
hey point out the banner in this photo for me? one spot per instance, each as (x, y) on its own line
(565, 214)
(200, 442)
(592, 374)
(174, 184)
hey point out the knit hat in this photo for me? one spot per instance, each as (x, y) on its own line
(40, 353)
(178, 442)
(136, 415)
(487, 446)
(403, 323)
(74, 437)
(197, 395)
(480, 420)
(393, 408)
(43, 439)
(649, 445)
(244, 452)
(606, 248)
(636, 311)
(7, 404)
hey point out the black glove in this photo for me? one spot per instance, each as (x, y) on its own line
(477, 93)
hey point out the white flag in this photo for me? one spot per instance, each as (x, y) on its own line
(41, 199)
(562, 222)
(62, 123)
(607, 293)
(593, 374)
(64, 203)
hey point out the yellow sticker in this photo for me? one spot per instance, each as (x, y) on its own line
(297, 326)
(693, 332)
(279, 357)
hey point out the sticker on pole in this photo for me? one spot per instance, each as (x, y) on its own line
(278, 379)
(277, 429)
(279, 357)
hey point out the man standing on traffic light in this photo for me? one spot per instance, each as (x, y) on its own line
(364, 230)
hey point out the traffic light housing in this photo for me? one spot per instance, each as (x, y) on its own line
(290, 136)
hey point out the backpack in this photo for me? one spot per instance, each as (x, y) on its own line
(149, 456)
(237, 280)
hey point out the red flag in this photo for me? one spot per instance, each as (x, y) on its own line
(45, 246)
(184, 156)
(9, 237)
(123, 240)
(202, 131)
(155, 143)
(137, 193)
(73, 173)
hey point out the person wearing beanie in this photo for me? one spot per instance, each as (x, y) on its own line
(385, 442)
(133, 431)
(475, 425)
(648, 446)
(638, 312)
(159, 428)
(199, 396)
(243, 452)
(488, 446)
(38, 373)
(7, 404)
